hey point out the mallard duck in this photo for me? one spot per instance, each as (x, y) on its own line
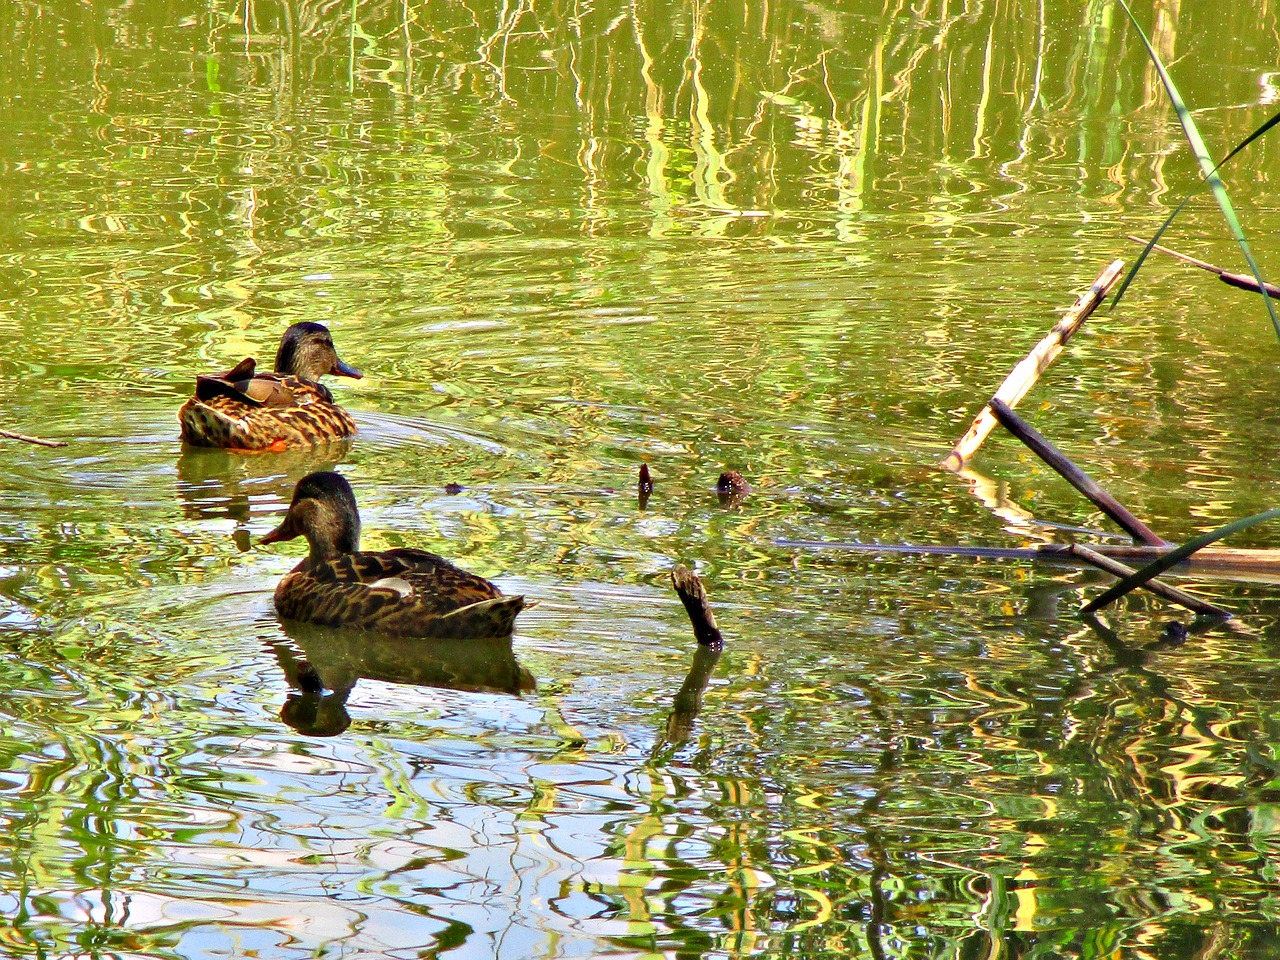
(245, 410)
(401, 592)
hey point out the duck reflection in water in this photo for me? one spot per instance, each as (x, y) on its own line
(323, 665)
(215, 484)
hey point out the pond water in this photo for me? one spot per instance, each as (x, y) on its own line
(801, 240)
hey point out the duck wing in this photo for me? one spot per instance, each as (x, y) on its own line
(263, 390)
(401, 592)
(426, 580)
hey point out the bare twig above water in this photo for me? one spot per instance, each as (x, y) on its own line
(1238, 280)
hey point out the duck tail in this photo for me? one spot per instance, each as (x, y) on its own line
(488, 618)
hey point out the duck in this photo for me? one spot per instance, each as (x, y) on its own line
(401, 592)
(246, 410)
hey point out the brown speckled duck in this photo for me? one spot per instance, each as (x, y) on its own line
(245, 410)
(401, 592)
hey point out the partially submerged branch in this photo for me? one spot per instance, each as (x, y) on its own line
(1024, 376)
(1162, 590)
(694, 597)
(1236, 563)
(1176, 555)
(688, 701)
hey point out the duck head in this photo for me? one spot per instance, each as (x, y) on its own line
(307, 352)
(324, 511)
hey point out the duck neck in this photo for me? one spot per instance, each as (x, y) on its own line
(334, 540)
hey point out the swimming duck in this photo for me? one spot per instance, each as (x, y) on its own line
(245, 410)
(401, 592)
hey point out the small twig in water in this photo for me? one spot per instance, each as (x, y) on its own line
(26, 439)
(1238, 280)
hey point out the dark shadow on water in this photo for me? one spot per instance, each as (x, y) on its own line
(324, 664)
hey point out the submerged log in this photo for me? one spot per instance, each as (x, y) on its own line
(1024, 376)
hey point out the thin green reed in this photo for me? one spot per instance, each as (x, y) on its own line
(1210, 171)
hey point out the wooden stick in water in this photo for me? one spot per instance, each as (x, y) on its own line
(1239, 280)
(1024, 376)
(1162, 590)
(1047, 452)
(1240, 563)
(694, 597)
(26, 439)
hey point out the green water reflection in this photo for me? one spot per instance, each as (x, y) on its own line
(799, 240)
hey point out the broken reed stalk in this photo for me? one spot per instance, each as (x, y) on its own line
(1047, 452)
(694, 597)
(26, 439)
(1024, 376)
(1162, 590)
(1175, 555)
(1238, 280)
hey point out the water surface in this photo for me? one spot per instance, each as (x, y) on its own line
(802, 241)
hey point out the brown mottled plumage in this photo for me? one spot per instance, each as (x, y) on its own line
(409, 593)
(245, 410)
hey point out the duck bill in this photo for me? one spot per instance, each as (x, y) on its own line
(283, 532)
(341, 369)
